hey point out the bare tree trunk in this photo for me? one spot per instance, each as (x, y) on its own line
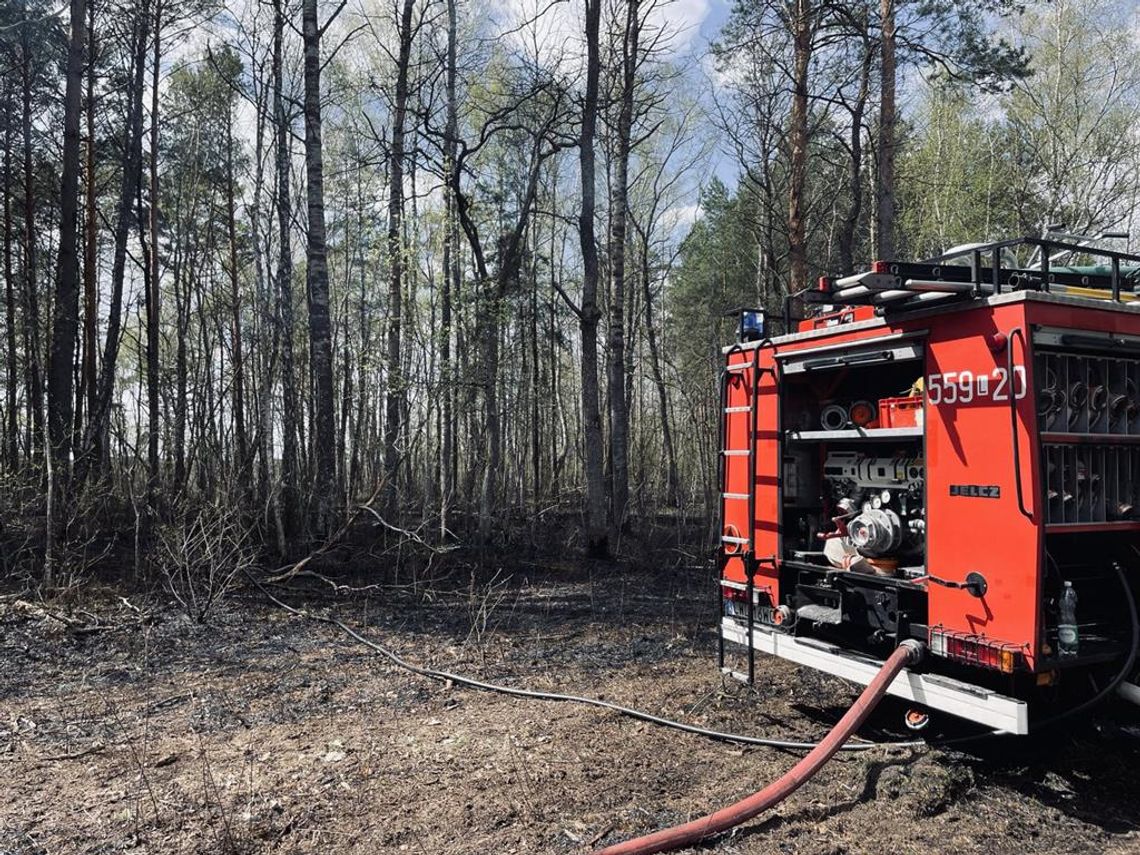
(619, 414)
(488, 323)
(885, 193)
(181, 372)
(265, 342)
(535, 380)
(597, 542)
(34, 353)
(90, 257)
(394, 399)
(241, 469)
(65, 316)
(510, 258)
(317, 275)
(488, 327)
(798, 143)
(557, 449)
(855, 164)
(11, 423)
(153, 291)
(672, 480)
(289, 462)
(450, 284)
(128, 188)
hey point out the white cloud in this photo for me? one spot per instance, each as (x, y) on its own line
(683, 19)
(680, 219)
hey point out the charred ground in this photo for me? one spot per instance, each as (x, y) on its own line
(261, 732)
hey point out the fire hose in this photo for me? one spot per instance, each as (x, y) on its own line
(907, 653)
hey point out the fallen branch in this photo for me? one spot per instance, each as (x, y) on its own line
(300, 568)
(289, 571)
(424, 585)
(408, 533)
(94, 749)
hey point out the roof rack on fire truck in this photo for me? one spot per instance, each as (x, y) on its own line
(982, 270)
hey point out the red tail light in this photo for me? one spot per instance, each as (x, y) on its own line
(975, 650)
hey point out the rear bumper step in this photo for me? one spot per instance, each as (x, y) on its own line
(935, 691)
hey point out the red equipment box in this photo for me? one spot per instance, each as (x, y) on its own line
(900, 412)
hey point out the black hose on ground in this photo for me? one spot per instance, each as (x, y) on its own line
(640, 715)
(482, 685)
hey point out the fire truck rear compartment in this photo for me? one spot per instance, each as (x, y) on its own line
(939, 474)
(854, 471)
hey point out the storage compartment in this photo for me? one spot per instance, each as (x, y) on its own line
(1091, 483)
(841, 390)
(853, 485)
(1088, 412)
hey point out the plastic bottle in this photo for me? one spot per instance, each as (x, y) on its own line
(1068, 639)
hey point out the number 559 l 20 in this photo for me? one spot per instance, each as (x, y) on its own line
(964, 387)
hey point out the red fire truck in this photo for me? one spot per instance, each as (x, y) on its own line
(947, 451)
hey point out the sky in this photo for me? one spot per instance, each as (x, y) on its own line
(693, 22)
(712, 15)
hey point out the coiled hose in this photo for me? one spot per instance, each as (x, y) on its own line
(907, 653)
(1129, 659)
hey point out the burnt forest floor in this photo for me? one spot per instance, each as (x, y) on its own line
(262, 732)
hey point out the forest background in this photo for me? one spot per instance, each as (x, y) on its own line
(463, 269)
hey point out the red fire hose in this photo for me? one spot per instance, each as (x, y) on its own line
(908, 653)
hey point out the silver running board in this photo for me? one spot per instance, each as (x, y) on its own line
(935, 691)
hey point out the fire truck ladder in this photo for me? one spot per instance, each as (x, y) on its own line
(738, 545)
(982, 270)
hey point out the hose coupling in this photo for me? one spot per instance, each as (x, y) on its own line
(916, 650)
